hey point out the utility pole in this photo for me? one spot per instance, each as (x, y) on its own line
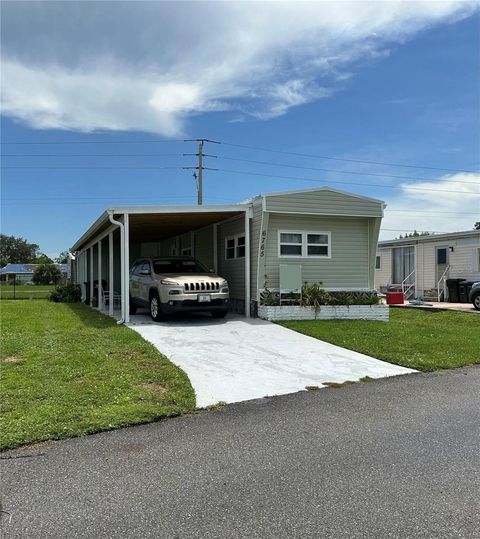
(198, 174)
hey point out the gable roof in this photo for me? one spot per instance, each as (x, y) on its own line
(317, 189)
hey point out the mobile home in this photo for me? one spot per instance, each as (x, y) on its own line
(330, 235)
(421, 265)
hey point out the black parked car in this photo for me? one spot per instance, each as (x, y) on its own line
(474, 296)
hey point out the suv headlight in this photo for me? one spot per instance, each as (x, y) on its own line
(169, 282)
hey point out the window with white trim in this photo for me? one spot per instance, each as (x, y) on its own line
(186, 251)
(229, 248)
(291, 243)
(240, 247)
(317, 245)
(234, 247)
(302, 244)
(378, 262)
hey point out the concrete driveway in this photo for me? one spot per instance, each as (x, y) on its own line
(238, 359)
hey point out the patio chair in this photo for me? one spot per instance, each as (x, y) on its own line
(115, 297)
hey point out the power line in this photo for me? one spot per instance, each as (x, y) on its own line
(295, 178)
(364, 161)
(91, 155)
(256, 148)
(92, 201)
(91, 142)
(73, 198)
(88, 168)
(229, 158)
(94, 198)
(338, 171)
(247, 173)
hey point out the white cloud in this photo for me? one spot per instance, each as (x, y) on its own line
(445, 206)
(149, 65)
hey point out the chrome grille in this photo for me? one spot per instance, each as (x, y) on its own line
(202, 286)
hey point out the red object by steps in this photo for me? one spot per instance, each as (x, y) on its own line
(395, 298)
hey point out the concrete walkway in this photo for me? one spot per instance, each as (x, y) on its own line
(237, 359)
(441, 306)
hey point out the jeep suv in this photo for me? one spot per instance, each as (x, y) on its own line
(176, 284)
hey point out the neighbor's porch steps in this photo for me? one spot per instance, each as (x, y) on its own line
(431, 294)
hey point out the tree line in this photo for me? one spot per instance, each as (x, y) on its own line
(19, 251)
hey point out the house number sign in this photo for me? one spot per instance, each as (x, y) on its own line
(263, 238)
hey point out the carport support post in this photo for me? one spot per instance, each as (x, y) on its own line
(91, 276)
(247, 263)
(110, 274)
(99, 284)
(126, 291)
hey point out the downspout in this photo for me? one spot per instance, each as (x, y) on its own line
(122, 263)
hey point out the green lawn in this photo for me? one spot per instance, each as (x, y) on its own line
(25, 291)
(68, 370)
(422, 340)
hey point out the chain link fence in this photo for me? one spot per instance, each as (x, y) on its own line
(13, 289)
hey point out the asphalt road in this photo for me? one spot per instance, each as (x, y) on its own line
(397, 457)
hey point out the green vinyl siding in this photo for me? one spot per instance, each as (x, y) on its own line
(204, 246)
(348, 266)
(323, 202)
(233, 270)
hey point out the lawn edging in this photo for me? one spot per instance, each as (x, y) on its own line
(327, 312)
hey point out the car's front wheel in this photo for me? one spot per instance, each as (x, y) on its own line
(155, 307)
(476, 302)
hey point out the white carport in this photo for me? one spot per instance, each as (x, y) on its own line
(104, 254)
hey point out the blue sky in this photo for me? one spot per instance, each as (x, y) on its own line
(401, 89)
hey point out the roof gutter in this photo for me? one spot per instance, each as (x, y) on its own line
(122, 263)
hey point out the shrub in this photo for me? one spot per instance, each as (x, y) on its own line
(270, 298)
(314, 296)
(67, 293)
(47, 274)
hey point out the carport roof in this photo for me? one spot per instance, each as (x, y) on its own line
(151, 223)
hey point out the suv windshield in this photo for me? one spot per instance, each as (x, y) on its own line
(172, 265)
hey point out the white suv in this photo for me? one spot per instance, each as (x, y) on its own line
(176, 284)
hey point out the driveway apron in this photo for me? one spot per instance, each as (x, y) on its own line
(238, 359)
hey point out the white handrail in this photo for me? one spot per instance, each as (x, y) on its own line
(406, 289)
(444, 290)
